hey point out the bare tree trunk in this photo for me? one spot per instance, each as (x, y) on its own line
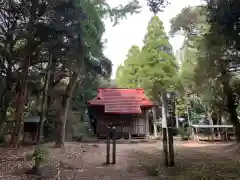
(164, 127)
(63, 110)
(188, 116)
(176, 116)
(5, 101)
(3, 120)
(50, 98)
(231, 107)
(154, 122)
(223, 118)
(44, 101)
(209, 118)
(18, 117)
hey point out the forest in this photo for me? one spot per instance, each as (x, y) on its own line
(203, 74)
(52, 63)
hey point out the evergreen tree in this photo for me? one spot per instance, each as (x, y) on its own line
(127, 74)
(152, 68)
(158, 68)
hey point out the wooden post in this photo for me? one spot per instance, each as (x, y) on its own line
(164, 128)
(129, 131)
(122, 134)
(114, 145)
(108, 146)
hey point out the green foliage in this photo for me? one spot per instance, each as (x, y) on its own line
(153, 67)
(187, 70)
(99, 67)
(180, 107)
(159, 68)
(40, 155)
(210, 57)
(223, 18)
(85, 92)
(82, 129)
(127, 75)
(70, 35)
(191, 21)
(184, 133)
(198, 74)
(116, 13)
(157, 5)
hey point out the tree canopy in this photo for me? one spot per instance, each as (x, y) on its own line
(47, 50)
(210, 62)
(52, 59)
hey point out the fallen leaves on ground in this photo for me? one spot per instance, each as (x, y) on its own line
(134, 162)
(213, 162)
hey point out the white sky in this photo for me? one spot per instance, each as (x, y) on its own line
(131, 31)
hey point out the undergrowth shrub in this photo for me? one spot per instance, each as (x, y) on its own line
(40, 156)
(184, 133)
(82, 130)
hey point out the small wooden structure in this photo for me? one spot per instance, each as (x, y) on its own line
(126, 109)
(225, 131)
(31, 125)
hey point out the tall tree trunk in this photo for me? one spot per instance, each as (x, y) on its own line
(154, 121)
(29, 49)
(19, 112)
(5, 101)
(3, 118)
(176, 115)
(44, 101)
(63, 110)
(50, 98)
(209, 116)
(2, 115)
(164, 127)
(232, 110)
(188, 117)
(164, 110)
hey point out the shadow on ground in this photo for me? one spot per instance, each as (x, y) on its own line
(192, 161)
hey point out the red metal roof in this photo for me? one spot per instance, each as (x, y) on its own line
(121, 101)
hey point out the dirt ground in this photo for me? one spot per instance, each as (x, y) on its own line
(134, 162)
